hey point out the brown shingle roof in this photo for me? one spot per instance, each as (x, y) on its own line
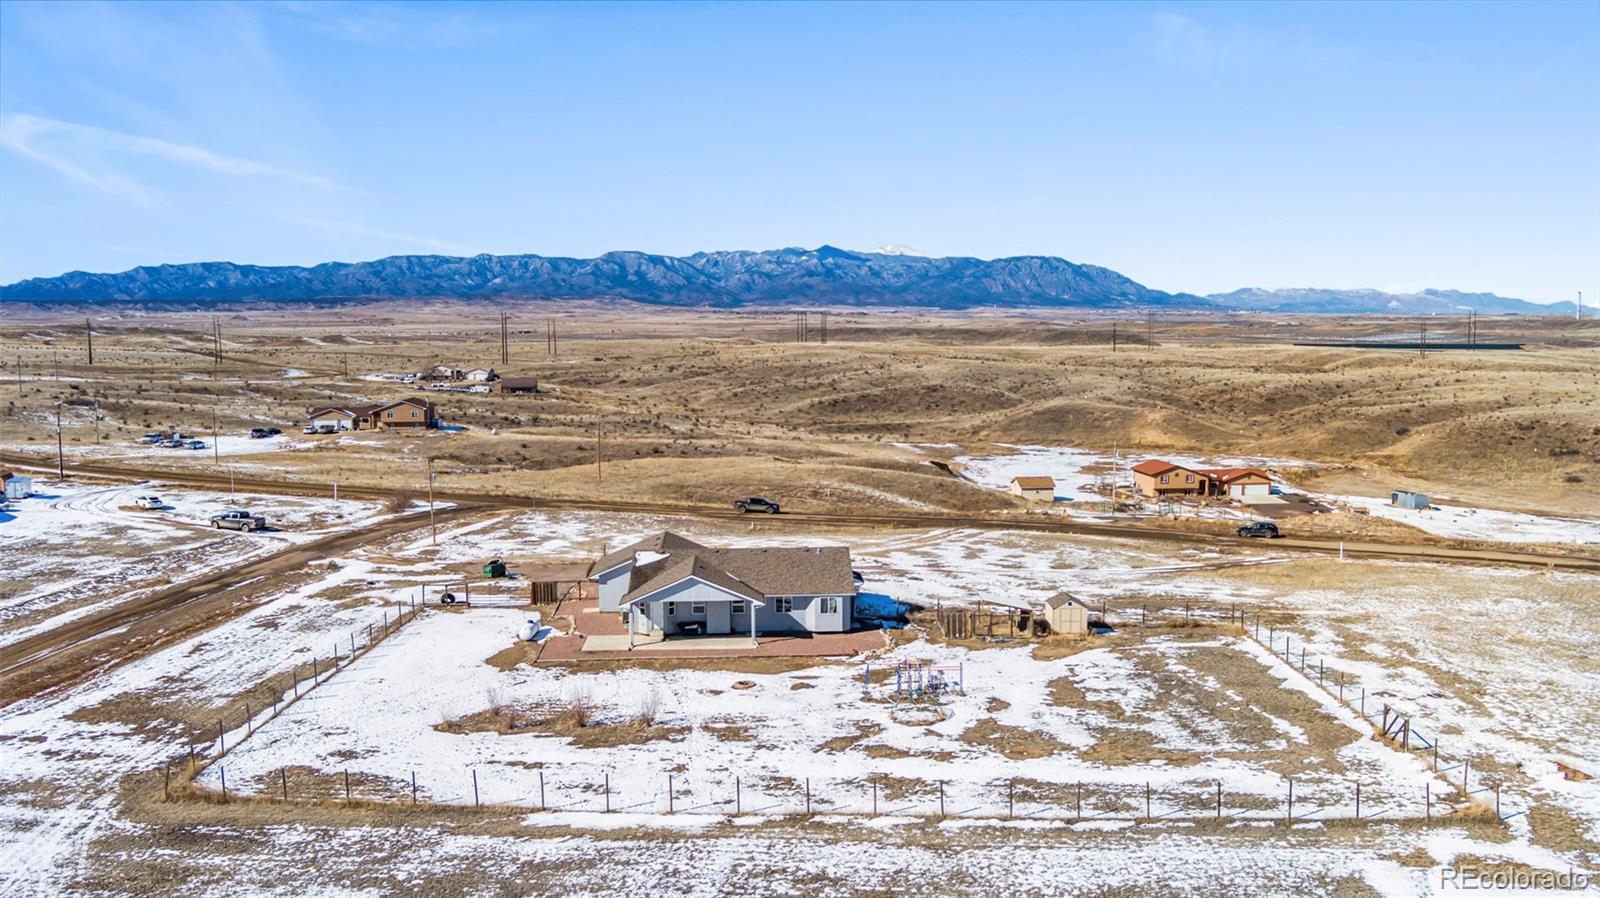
(804, 571)
(1035, 483)
(678, 568)
(1228, 475)
(665, 542)
(1063, 598)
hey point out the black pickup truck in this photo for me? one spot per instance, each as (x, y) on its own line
(755, 503)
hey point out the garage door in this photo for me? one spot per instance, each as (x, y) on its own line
(1252, 490)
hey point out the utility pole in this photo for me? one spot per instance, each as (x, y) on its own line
(1149, 329)
(61, 458)
(599, 472)
(216, 451)
(344, 361)
(505, 351)
(1422, 345)
(1113, 336)
(824, 327)
(432, 527)
(216, 340)
(88, 333)
(97, 420)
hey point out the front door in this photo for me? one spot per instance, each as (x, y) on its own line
(717, 619)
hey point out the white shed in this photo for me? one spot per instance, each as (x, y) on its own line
(18, 486)
(1067, 615)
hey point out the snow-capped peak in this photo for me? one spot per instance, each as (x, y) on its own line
(895, 249)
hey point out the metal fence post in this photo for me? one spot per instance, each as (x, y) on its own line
(669, 793)
(475, 802)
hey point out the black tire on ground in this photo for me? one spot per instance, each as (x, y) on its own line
(772, 509)
(217, 524)
(742, 508)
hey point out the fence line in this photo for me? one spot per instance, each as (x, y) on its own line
(201, 756)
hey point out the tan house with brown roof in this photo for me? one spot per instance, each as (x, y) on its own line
(401, 414)
(668, 585)
(1034, 489)
(1160, 479)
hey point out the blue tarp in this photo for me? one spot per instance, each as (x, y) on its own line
(874, 609)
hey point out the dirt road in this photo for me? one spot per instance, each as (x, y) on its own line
(1418, 552)
(135, 628)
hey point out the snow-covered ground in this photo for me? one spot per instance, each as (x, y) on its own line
(226, 445)
(1463, 522)
(384, 709)
(78, 547)
(1077, 473)
(1500, 659)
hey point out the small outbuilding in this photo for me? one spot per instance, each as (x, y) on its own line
(1067, 615)
(1408, 499)
(17, 486)
(519, 385)
(1034, 489)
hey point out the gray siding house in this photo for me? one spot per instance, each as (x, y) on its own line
(671, 586)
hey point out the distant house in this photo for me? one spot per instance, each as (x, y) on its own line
(480, 375)
(401, 414)
(519, 384)
(443, 372)
(668, 585)
(1034, 489)
(1162, 479)
(1408, 499)
(1066, 615)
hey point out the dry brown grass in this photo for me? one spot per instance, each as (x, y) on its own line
(1014, 742)
(811, 423)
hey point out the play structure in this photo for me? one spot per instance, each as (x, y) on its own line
(921, 679)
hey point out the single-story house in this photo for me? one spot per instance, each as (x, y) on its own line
(17, 486)
(480, 375)
(1162, 479)
(1067, 615)
(519, 385)
(1034, 489)
(443, 372)
(668, 585)
(409, 413)
(1408, 499)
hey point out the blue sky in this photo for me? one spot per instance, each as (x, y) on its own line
(1198, 147)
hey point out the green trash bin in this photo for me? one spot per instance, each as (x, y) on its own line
(495, 568)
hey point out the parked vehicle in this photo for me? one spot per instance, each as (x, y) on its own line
(196, 444)
(1263, 529)
(273, 431)
(153, 438)
(149, 503)
(172, 444)
(258, 433)
(756, 503)
(238, 519)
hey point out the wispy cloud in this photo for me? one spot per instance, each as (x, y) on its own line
(357, 229)
(1181, 38)
(84, 154)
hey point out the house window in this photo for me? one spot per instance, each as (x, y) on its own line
(1188, 478)
(830, 605)
(737, 608)
(697, 608)
(672, 608)
(784, 606)
(1163, 478)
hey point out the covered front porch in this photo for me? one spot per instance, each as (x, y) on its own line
(690, 608)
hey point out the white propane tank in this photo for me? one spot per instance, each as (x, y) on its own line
(530, 630)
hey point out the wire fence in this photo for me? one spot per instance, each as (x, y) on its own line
(719, 793)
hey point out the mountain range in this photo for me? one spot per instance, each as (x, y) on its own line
(891, 276)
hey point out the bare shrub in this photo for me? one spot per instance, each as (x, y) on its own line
(649, 709)
(397, 503)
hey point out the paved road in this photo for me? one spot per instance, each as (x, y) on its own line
(1364, 549)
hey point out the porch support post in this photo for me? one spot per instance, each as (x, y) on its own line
(631, 609)
(752, 607)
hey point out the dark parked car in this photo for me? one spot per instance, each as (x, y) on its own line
(755, 503)
(1264, 529)
(258, 433)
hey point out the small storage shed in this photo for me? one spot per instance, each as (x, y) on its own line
(1407, 499)
(1067, 615)
(1034, 489)
(519, 385)
(17, 486)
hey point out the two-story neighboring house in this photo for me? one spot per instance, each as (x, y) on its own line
(1163, 479)
(669, 585)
